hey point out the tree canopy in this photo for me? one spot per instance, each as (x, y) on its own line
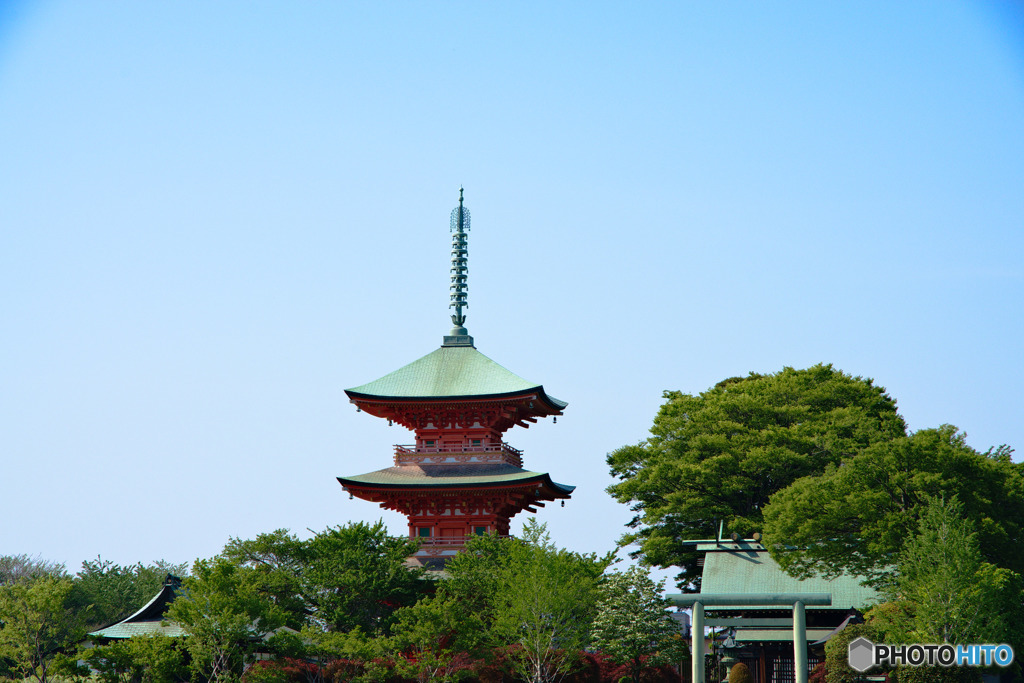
(342, 578)
(722, 454)
(632, 625)
(856, 516)
(38, 625)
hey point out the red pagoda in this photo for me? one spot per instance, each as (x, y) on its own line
(460, 478)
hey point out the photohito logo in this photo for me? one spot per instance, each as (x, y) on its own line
(863, 655)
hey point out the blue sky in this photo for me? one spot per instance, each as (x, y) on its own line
(214, 217)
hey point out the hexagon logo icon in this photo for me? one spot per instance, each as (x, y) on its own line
(861, 654)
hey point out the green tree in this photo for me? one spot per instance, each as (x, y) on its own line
(17, 567)
(356, 576)
(535, 600)
(37, 625)
(142, 659)
(857, 516)
(342, 578)
(433, 640)
(225, 616)
(953, 594)
(278, 560)
(632, 625)
(721, 455)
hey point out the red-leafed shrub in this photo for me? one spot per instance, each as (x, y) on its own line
(285, 670)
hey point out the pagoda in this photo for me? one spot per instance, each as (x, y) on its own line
(459, 478)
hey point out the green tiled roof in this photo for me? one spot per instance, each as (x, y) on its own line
(748, 568)
(451, 475)
(140, 628)
(450, 371)
(149, 619)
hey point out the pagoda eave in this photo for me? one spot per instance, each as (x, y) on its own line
(544, 405)
(504, 499)
(542, 484)
(496, 411)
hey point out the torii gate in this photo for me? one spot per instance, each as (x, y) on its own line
(699, 601)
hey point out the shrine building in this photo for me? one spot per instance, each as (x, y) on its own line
(459, 478)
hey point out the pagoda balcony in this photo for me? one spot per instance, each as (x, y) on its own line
(439, 547)
(441, 454)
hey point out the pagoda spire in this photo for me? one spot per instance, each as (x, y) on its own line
(459, 336)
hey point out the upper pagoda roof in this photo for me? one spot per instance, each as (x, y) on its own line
(452, 371)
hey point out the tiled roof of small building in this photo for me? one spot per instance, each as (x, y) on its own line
(149, 620)
(141, 628)
(746, 567)
(450, 372)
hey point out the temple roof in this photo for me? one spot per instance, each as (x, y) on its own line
(453, 476)
(451, 372)
(746, 567)
(149, 620)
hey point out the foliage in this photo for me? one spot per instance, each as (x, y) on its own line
(956, 596)
(343, 578)
(23, 567)
(632, 625)
(38, 624)
(225, 616)
(112, 592)
(277, 560)
(817, 675)
(937, 674)
(283, 670)
(596, 666)
(856, 517)
(722, 454)
(143, 659)
(740, 673)
(534, 599)
(356, 576)
(431, 640)
(837, 665)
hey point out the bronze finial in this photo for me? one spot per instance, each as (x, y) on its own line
(460, 264)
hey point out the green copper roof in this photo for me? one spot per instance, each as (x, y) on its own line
(748, 568)
(149, 619)
(452, 475)
(140, 628)
(450, 371)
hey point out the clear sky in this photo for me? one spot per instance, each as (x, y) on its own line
(214, 217)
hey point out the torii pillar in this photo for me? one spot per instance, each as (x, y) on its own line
(700, 601)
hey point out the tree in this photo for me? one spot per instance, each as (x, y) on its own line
(953, 594)
(356, 576)
(535, 600)
(856, 516)
(632, 625)
(37, 625)
(721, 455)
(433, 640)
(225, 617)
(342, 578)
(142, 659)
(277, 560)
(17, 567)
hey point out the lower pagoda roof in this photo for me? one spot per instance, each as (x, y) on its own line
(453, 477)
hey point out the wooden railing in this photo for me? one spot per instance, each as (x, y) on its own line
(413, 449)
(447, 541)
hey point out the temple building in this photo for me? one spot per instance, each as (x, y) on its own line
(459, 478)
